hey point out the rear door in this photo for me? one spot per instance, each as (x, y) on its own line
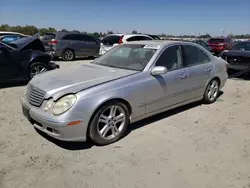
(199, 68)
(90, 47)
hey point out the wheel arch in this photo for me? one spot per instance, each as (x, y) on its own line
(125, 102)
(68, 48)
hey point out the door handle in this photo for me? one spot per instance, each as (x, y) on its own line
(183, 76)
(208, 69)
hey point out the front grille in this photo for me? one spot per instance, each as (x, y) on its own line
(34, 95)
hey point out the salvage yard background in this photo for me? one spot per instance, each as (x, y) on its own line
(205, 146)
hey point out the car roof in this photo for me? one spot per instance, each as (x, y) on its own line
(10, 33)
(158, 42)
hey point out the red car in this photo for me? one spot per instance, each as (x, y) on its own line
(220, 44)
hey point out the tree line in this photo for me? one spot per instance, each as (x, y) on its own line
(31, 30)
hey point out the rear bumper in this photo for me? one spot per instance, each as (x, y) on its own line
(218, 50)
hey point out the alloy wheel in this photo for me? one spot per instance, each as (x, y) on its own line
(68, 55)
(111, 122)
(213, 90)
(37, 70)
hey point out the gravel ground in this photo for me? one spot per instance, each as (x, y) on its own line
(198, 146)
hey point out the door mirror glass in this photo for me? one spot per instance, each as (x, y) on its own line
(159, 70)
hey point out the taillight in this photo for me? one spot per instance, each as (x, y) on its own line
(53, 42)
(120, 40)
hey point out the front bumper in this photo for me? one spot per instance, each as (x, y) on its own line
(51, 126)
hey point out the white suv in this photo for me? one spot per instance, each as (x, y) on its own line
(112, 40)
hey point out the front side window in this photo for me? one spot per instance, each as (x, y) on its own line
(72, 37)
(87, 38)
(127, 56)
(193, 55)
(171, 58)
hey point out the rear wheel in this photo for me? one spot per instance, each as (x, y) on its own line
(37, 68)
(109, 123)
(212, 92)
(68, 55)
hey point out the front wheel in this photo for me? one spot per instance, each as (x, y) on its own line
(212, 92)
(109, 123)
(37, 68)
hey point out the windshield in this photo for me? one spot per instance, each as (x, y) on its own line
(127, 56)
(242, 46)
(49, 36)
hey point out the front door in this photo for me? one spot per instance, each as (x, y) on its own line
(90, 46)
(171, 88)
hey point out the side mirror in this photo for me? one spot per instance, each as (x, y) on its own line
(159, 70)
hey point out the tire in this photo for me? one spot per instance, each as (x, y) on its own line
(68, 55)
(37, 68)
(104, 136)
(214, 87)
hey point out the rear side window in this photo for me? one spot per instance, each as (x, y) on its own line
(87, 38)
(72, 37)
(214, 40)
(110, 40)
(49, 36)
(194, 56)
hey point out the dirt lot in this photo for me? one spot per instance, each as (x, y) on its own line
(198, 146)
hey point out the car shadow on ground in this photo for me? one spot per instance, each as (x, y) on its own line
(13, 84)
(88, 144)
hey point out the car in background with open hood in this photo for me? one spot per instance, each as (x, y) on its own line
(23, 59)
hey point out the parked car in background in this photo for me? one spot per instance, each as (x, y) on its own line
(155, 37)
(203, 44)
(70, 45)
(112, 40)
(10, 38)
(220, 44)
(238, 57)
(133, 81)
(23, 59)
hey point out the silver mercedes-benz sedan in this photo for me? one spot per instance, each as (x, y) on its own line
(133, 81)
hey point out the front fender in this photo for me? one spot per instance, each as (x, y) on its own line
(130, 89)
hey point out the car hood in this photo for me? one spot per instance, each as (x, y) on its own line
(236, 53)
(25, 43)
(59, 82)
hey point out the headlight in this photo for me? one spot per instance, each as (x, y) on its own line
(64, 104)
(48, 105)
